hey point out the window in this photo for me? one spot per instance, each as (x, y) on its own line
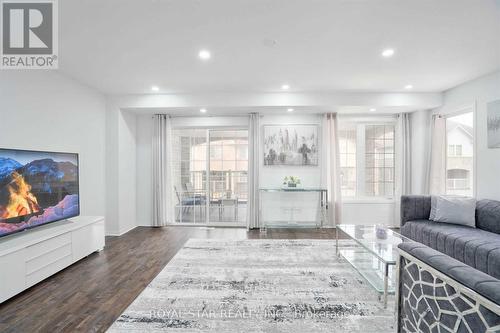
(460, 157)
(458, 179)
(366, 159)
(379, 160)
(454, 150)
(228, 168)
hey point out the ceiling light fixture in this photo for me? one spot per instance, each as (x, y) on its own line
(203, 110)
(285, 87)
(204, 55)
(408, 87)
(373, 110)
(387, 53)
(289, 110)
(155, 88)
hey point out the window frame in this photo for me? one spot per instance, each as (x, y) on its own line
(454, 151)
(467, 108)
(361, 125)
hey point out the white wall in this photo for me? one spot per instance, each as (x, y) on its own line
(144, 168)
(127, 171)
(121, 178)
(223, 104)
(43, 110)
(479, 92)
(368, 211)
(270, 176)
(299, 207)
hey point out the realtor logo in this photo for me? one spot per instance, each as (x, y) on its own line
(29, 34)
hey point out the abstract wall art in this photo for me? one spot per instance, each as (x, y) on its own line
(494, 124)
(291, 145)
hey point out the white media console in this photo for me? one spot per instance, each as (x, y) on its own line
(31, 256)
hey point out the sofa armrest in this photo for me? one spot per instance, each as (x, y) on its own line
(415, 207)
(440, 294)
(481, 283)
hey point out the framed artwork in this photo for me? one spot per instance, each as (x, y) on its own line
(493, 124)
(291, 145)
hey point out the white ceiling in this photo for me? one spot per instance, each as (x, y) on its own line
(125, 46)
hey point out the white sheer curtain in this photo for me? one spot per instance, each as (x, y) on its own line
(403, 162)
(253, 171)
(331, 163)
(436, 165)
(163, 205)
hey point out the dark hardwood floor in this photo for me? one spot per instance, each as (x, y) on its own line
(89, 295)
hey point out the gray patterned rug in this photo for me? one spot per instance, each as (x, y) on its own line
(257, 286)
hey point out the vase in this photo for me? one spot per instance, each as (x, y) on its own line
(381, 232)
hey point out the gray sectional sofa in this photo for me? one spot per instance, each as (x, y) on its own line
(450, 275)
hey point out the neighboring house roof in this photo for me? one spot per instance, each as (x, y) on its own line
(451, 125)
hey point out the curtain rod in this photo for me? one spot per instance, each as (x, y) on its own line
(240, 115)
(207, 116)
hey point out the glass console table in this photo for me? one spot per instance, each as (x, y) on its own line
(322, 204)
(375, 255)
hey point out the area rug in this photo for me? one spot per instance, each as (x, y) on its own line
(257, 286)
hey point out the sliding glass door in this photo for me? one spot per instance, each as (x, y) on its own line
(228, 165)
(189, 163)
(210, 176)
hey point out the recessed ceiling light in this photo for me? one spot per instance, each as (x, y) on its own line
(408, 87)
(373, 110)
(203, 110)
(387, 53)
(289, 110)
(155, 88)
(204, 55)
(285, 87)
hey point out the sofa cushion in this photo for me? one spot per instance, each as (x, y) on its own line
(480, 282)
(488, 215)
(474, 247)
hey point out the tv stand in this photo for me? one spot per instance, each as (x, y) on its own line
(33, 255)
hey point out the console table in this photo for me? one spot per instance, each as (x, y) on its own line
(323, 201)
(33, 255)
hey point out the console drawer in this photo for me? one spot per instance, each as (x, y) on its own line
(47, 258)
(49, 268)
(46, 246)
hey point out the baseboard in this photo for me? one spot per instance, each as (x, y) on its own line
(120, 233)
(145, 225)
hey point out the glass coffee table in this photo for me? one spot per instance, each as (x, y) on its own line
(376, 255)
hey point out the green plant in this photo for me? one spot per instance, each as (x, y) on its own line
(291, 181)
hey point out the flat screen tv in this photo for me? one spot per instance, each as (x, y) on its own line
(36, 188)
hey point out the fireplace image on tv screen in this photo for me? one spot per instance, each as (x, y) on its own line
(36, 188)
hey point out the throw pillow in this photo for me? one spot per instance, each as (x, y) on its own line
(456, 210)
